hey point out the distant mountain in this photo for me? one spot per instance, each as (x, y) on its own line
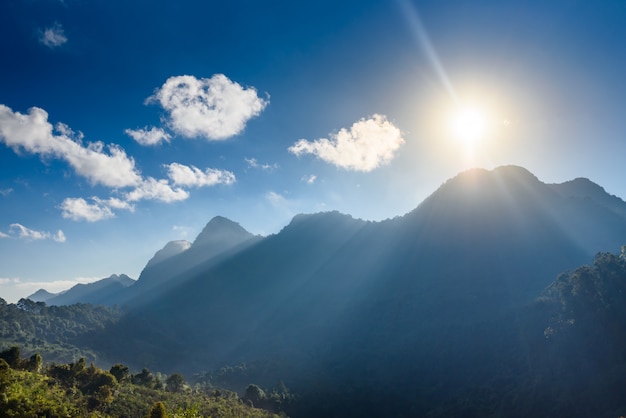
(41, 295)
(179, 260)
(422, 300)
(101, 292)
(171, 249)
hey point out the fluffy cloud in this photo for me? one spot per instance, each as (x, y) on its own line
(183, 175)
(215, 108)
(368, 144)
(53, 36)
(78, 209)
(152, 189)
(153, 136)
(107, 165)
(20, 231)
(33, 133)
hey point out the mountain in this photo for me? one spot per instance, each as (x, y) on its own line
(41, 295)
(179, 260)
(389, 309)
(102, 292)
(171, 249)
(483, 240)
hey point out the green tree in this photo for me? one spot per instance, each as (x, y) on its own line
(33, 364)
(145, 378)
(255, 395)
(12, 357)
(120, 372)
(175, 382)
(158, 411)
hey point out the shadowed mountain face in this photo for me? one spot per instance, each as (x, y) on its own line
(171, 249)
(330, 295)
(432, 299)
(179, 260)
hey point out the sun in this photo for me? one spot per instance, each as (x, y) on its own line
(468, 125)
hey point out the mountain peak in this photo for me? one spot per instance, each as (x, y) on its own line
(171, 249)
(220, 230)
(41, 295)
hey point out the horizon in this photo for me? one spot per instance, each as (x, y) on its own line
(123, 127)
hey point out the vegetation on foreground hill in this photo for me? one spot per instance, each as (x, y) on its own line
(59, 333)
(62, 390)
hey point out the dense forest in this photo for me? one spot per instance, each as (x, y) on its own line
(58, 333)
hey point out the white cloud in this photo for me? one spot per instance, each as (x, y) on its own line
(3, 235)
(78, 209)
(20, 231)
(53, 36)
(215, 108)
(191, 176)
(6, 192)
(253, 163)
(368, 144)
(33, 133)
(59, 236)
(153, 189)
(115, 203)
(153, 136)
(107, 165)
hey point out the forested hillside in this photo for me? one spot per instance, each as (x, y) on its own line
(29, 389)
(59, 333)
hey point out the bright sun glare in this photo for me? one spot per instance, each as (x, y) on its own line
(468, 125)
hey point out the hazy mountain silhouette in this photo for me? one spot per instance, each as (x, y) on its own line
(179, 260)
(436, 299)
(330, 289)
(42, 295)
(171, 249)
(102, 292)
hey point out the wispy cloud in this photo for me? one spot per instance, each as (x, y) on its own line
(309, 179)
(6, 192)
(191, 176)
(276, 199)
(215, 108)
(53, 36)
(253, 163)
(19, 231)
(152, 136)
(368, 144)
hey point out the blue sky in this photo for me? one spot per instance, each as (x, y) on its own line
(124, 125)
